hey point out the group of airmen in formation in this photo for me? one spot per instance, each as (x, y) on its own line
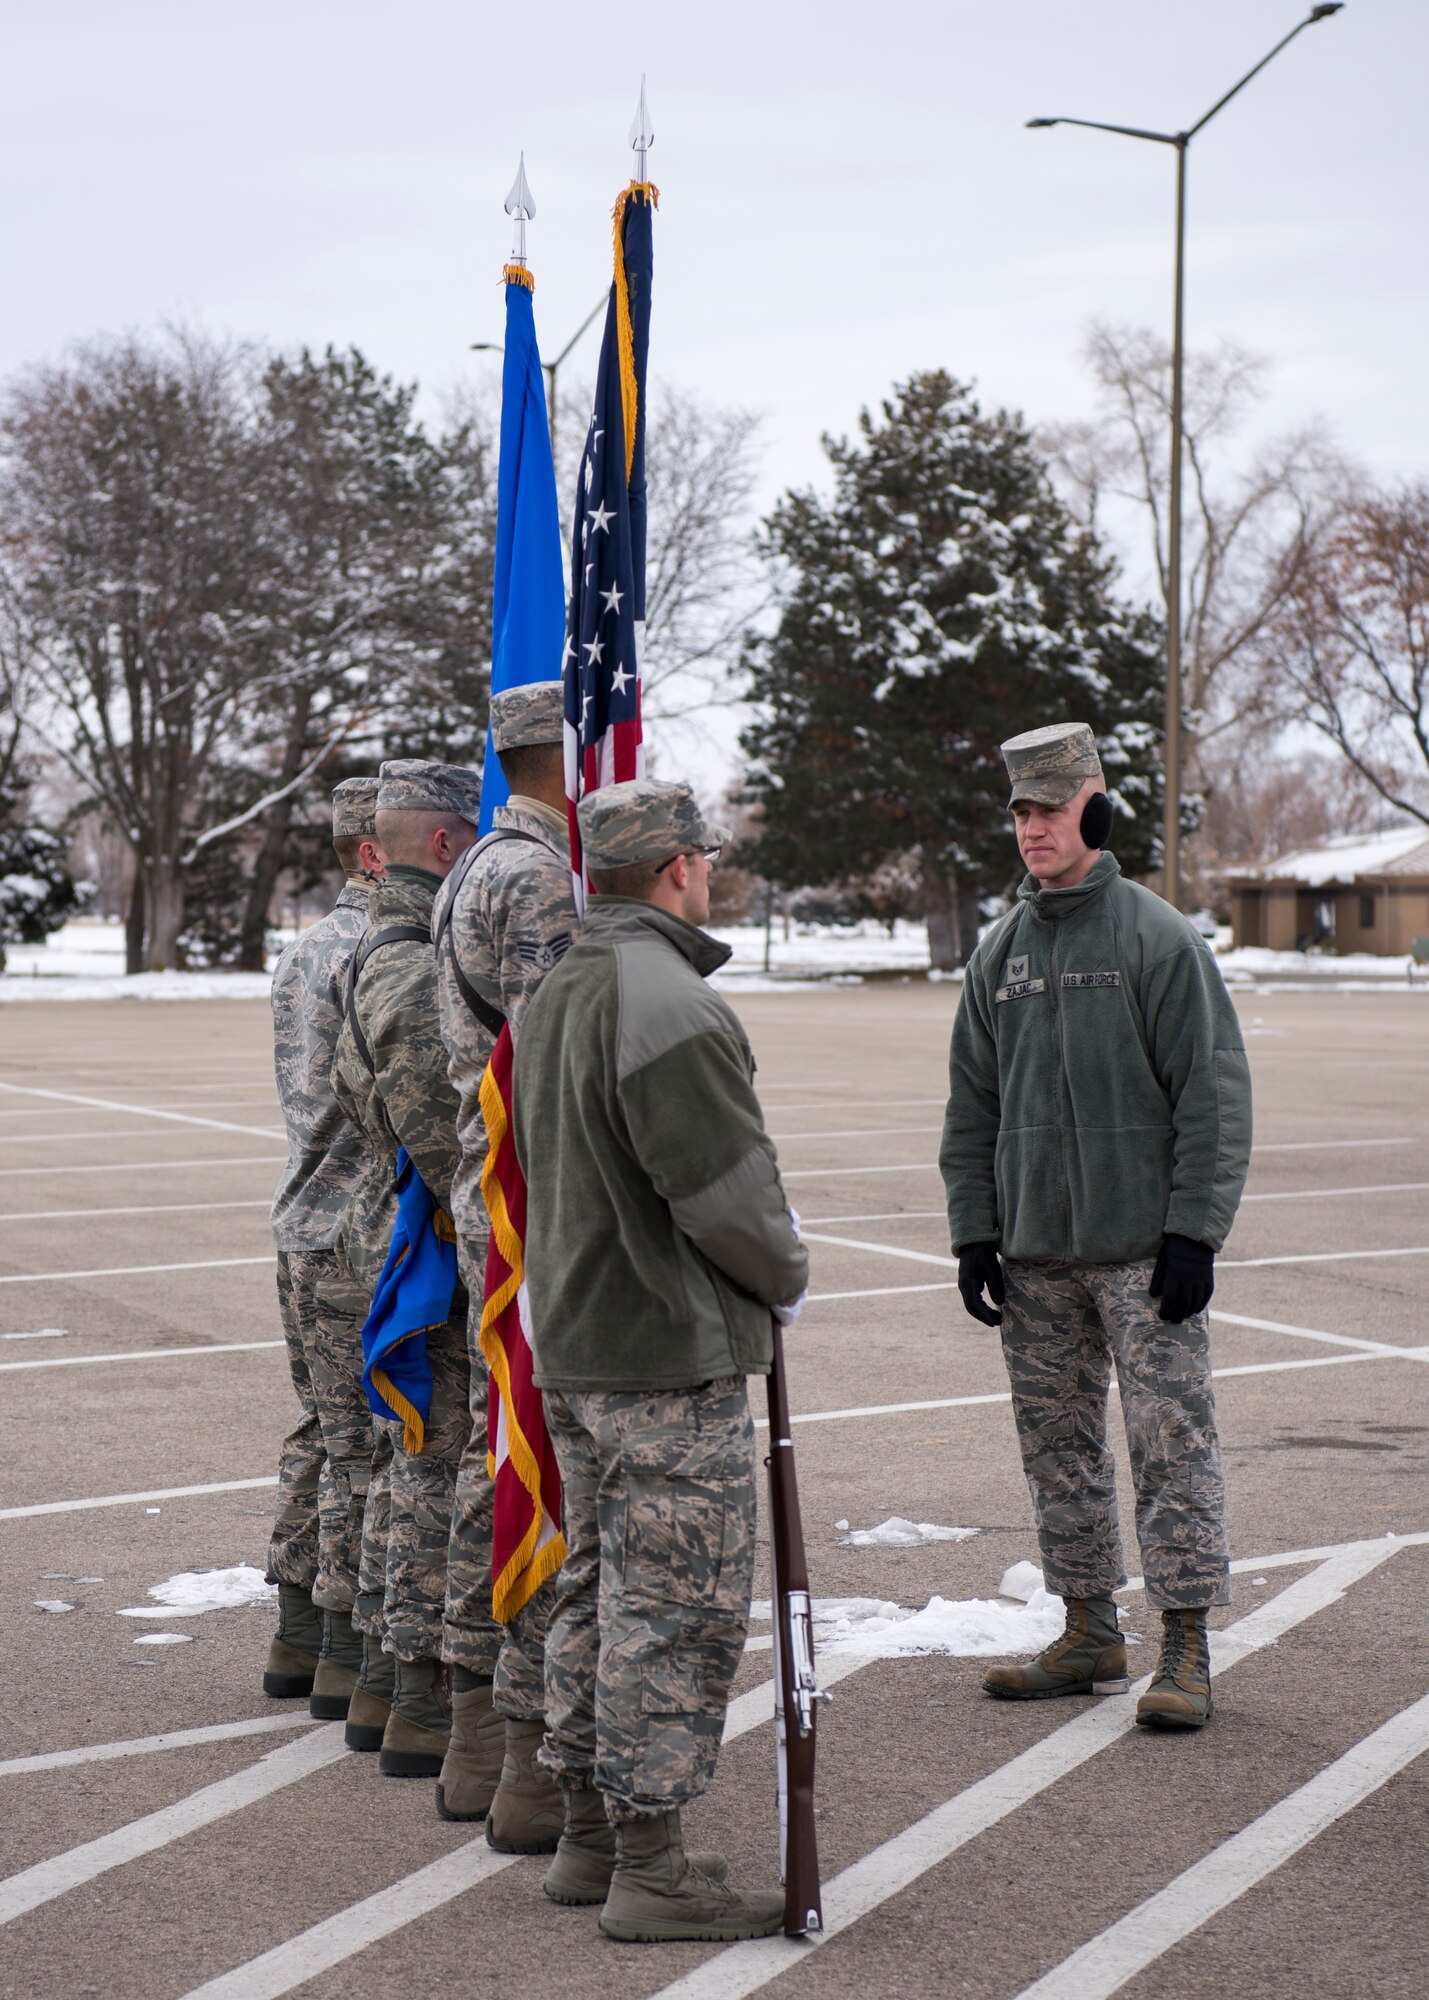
(1096, 1141)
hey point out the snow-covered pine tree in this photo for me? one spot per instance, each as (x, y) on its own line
(37, 891)
(942, 599)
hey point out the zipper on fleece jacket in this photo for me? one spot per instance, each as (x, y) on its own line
(1063, 1098)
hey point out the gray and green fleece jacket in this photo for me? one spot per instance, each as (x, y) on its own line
(1100, 1094)
(657, 1233)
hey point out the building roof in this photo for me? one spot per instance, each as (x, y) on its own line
(1404, 850)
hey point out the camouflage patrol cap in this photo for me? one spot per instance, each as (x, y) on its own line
(643, 819)
(354, 809)
(1051, 765)
(417, 784)
(528, 715)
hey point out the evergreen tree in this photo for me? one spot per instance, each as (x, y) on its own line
(37, 891)
(941, 601)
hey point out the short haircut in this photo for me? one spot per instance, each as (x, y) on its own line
(348, 849)
(406, 834)
(636, 878)
(529, 765)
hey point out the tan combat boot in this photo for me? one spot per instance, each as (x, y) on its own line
(339, 1664)
(1179, 1696)
(471, 1769)
(656, 1897)
(370, 1707)
(1089, 1658)
(527, 1814)
(418, 1730)
(585, 1859)
(292, 1659)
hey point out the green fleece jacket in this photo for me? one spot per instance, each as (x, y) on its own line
(657, 1233)
(1100, 1094)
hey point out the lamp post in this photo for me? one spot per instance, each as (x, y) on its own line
(1171, 838)
(548, 368)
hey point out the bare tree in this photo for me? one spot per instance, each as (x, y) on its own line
(1352, 642)
(1248, 531)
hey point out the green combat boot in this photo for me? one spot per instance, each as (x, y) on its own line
(528, 1813)
(585, 1859)
(657, 1897)
(418, 1730)
(1089, 1658)
(370, 1706)
(293, 1653)
(1179, 1696)
(339, 1664)
(471, 1769)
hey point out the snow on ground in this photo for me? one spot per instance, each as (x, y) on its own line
(896, 1533)
(55, 1604)
(163, 1639)
(1022, 1581)
(85, 961)
(965, 1627)
(194, 1591)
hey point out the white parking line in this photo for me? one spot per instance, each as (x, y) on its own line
(139, 1110)
(138, 1499)
(1104, 1964)
(146, 1166)
(1328, 1145)
(860, 1132)
(1327, 1194)
(746, 1968)
(887, 1215)
(931, 1166)
(155, 1208)
(836, 1173)
(120, 1132)
(144, 1746)
(137, 1354)
(63, 1872)
(881, 1249)
(391, 1909)
(1317, 1257)
(126, 1270)
(1313, 1333)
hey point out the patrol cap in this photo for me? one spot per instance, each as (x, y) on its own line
(643, 819)
(1051, 765)
(417, 784)
(523, 716)
(354, 809)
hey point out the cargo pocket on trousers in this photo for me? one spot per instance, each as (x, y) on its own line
(674, 1551)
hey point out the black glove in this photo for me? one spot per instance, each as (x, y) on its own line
(1183, 1279)
(978, 1266)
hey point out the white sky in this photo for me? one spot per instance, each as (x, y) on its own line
(848, 192)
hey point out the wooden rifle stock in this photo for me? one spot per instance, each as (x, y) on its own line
(796, 1695)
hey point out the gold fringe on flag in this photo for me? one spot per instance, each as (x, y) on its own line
(625, 332)
(517, 274)
(528, 1567)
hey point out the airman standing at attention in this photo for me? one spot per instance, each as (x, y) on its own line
(1095, 1148)
(390, 1077)
(326, 1461)
(504, 917)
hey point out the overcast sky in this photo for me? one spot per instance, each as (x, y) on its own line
(848, 191)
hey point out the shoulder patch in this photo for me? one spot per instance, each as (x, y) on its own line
(550, 951)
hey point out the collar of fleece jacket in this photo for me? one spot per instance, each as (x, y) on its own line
(616, 916)
(1053, 905)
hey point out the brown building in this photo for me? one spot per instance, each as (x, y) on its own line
(1364, 892)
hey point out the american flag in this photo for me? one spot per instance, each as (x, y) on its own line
(606, 614)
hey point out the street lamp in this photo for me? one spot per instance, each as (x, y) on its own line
(1171, 841)
(548, 368)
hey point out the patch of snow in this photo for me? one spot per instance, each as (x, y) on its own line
(1254, 963)
(151, 1510)
(840, 1527)
(192, 1592)
(896, 1533)
(55, 1604)
(964, 1628)
(164, 1639)
(1022, 1581)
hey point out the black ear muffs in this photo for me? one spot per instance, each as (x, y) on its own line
(1096, 820)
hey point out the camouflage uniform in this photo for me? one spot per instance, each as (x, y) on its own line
(646, 1159)
(512, 918)
(1063, 1326)
(1100, 1103)
(405, 1100)
(325, 1464)
(658, 1498)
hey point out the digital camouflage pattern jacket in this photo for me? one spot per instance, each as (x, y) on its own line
(1100, 1093)
(513, 918)
(405, 1098)
(657, 1233)
(327, 1155)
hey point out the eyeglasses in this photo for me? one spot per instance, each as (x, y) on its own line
(711, 854)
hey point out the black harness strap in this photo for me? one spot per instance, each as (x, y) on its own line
(374, 941)
(490, 1017)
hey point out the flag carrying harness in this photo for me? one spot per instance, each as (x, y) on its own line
(491, 1018)
(393, 934)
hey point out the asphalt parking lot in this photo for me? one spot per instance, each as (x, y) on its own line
(168, 1832)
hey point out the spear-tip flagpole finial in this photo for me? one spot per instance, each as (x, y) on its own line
(521, 208)
(642, 133)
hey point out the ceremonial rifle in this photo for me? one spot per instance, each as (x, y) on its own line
(796, 1693)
